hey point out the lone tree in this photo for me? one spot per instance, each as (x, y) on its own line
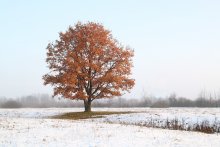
(87, 63)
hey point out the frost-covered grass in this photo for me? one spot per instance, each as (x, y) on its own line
(33, 127)
(205, 120)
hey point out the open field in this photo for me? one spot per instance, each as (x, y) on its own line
(37, 127)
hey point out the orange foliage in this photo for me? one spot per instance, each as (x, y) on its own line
(87, 63)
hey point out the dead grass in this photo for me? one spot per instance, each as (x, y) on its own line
(173, 124)
(87, 115)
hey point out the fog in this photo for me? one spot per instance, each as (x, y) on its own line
(204, 99)
(176, 43)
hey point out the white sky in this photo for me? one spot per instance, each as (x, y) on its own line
(176, 43)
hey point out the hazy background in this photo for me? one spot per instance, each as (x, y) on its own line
(176, 43)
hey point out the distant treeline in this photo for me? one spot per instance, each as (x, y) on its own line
(46, 101)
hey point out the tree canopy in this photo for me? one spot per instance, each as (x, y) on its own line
(87, 63)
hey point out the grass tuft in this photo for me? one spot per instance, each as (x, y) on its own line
(87, 115)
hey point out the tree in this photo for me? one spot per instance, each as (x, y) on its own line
(87, 63)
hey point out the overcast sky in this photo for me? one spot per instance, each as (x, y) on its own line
(176, 43)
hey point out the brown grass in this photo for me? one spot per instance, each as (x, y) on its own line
(173, 124)
(87, 115)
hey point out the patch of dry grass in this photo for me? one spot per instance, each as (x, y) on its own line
(87, 115)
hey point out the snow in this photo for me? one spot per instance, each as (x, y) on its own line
(33, 127)
(159, 117)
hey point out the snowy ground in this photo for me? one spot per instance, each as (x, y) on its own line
(187, 118)
(32, 127)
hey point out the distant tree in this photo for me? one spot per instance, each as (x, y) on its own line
(11, 104)
(87, 63)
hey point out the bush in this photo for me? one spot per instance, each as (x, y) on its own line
(160, 104)
(11, 104)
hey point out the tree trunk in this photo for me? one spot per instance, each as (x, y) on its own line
(87, 105)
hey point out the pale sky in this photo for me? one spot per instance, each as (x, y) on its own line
(176, 43)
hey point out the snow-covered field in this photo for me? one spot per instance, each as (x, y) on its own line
(187, 118)
(33, 127)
